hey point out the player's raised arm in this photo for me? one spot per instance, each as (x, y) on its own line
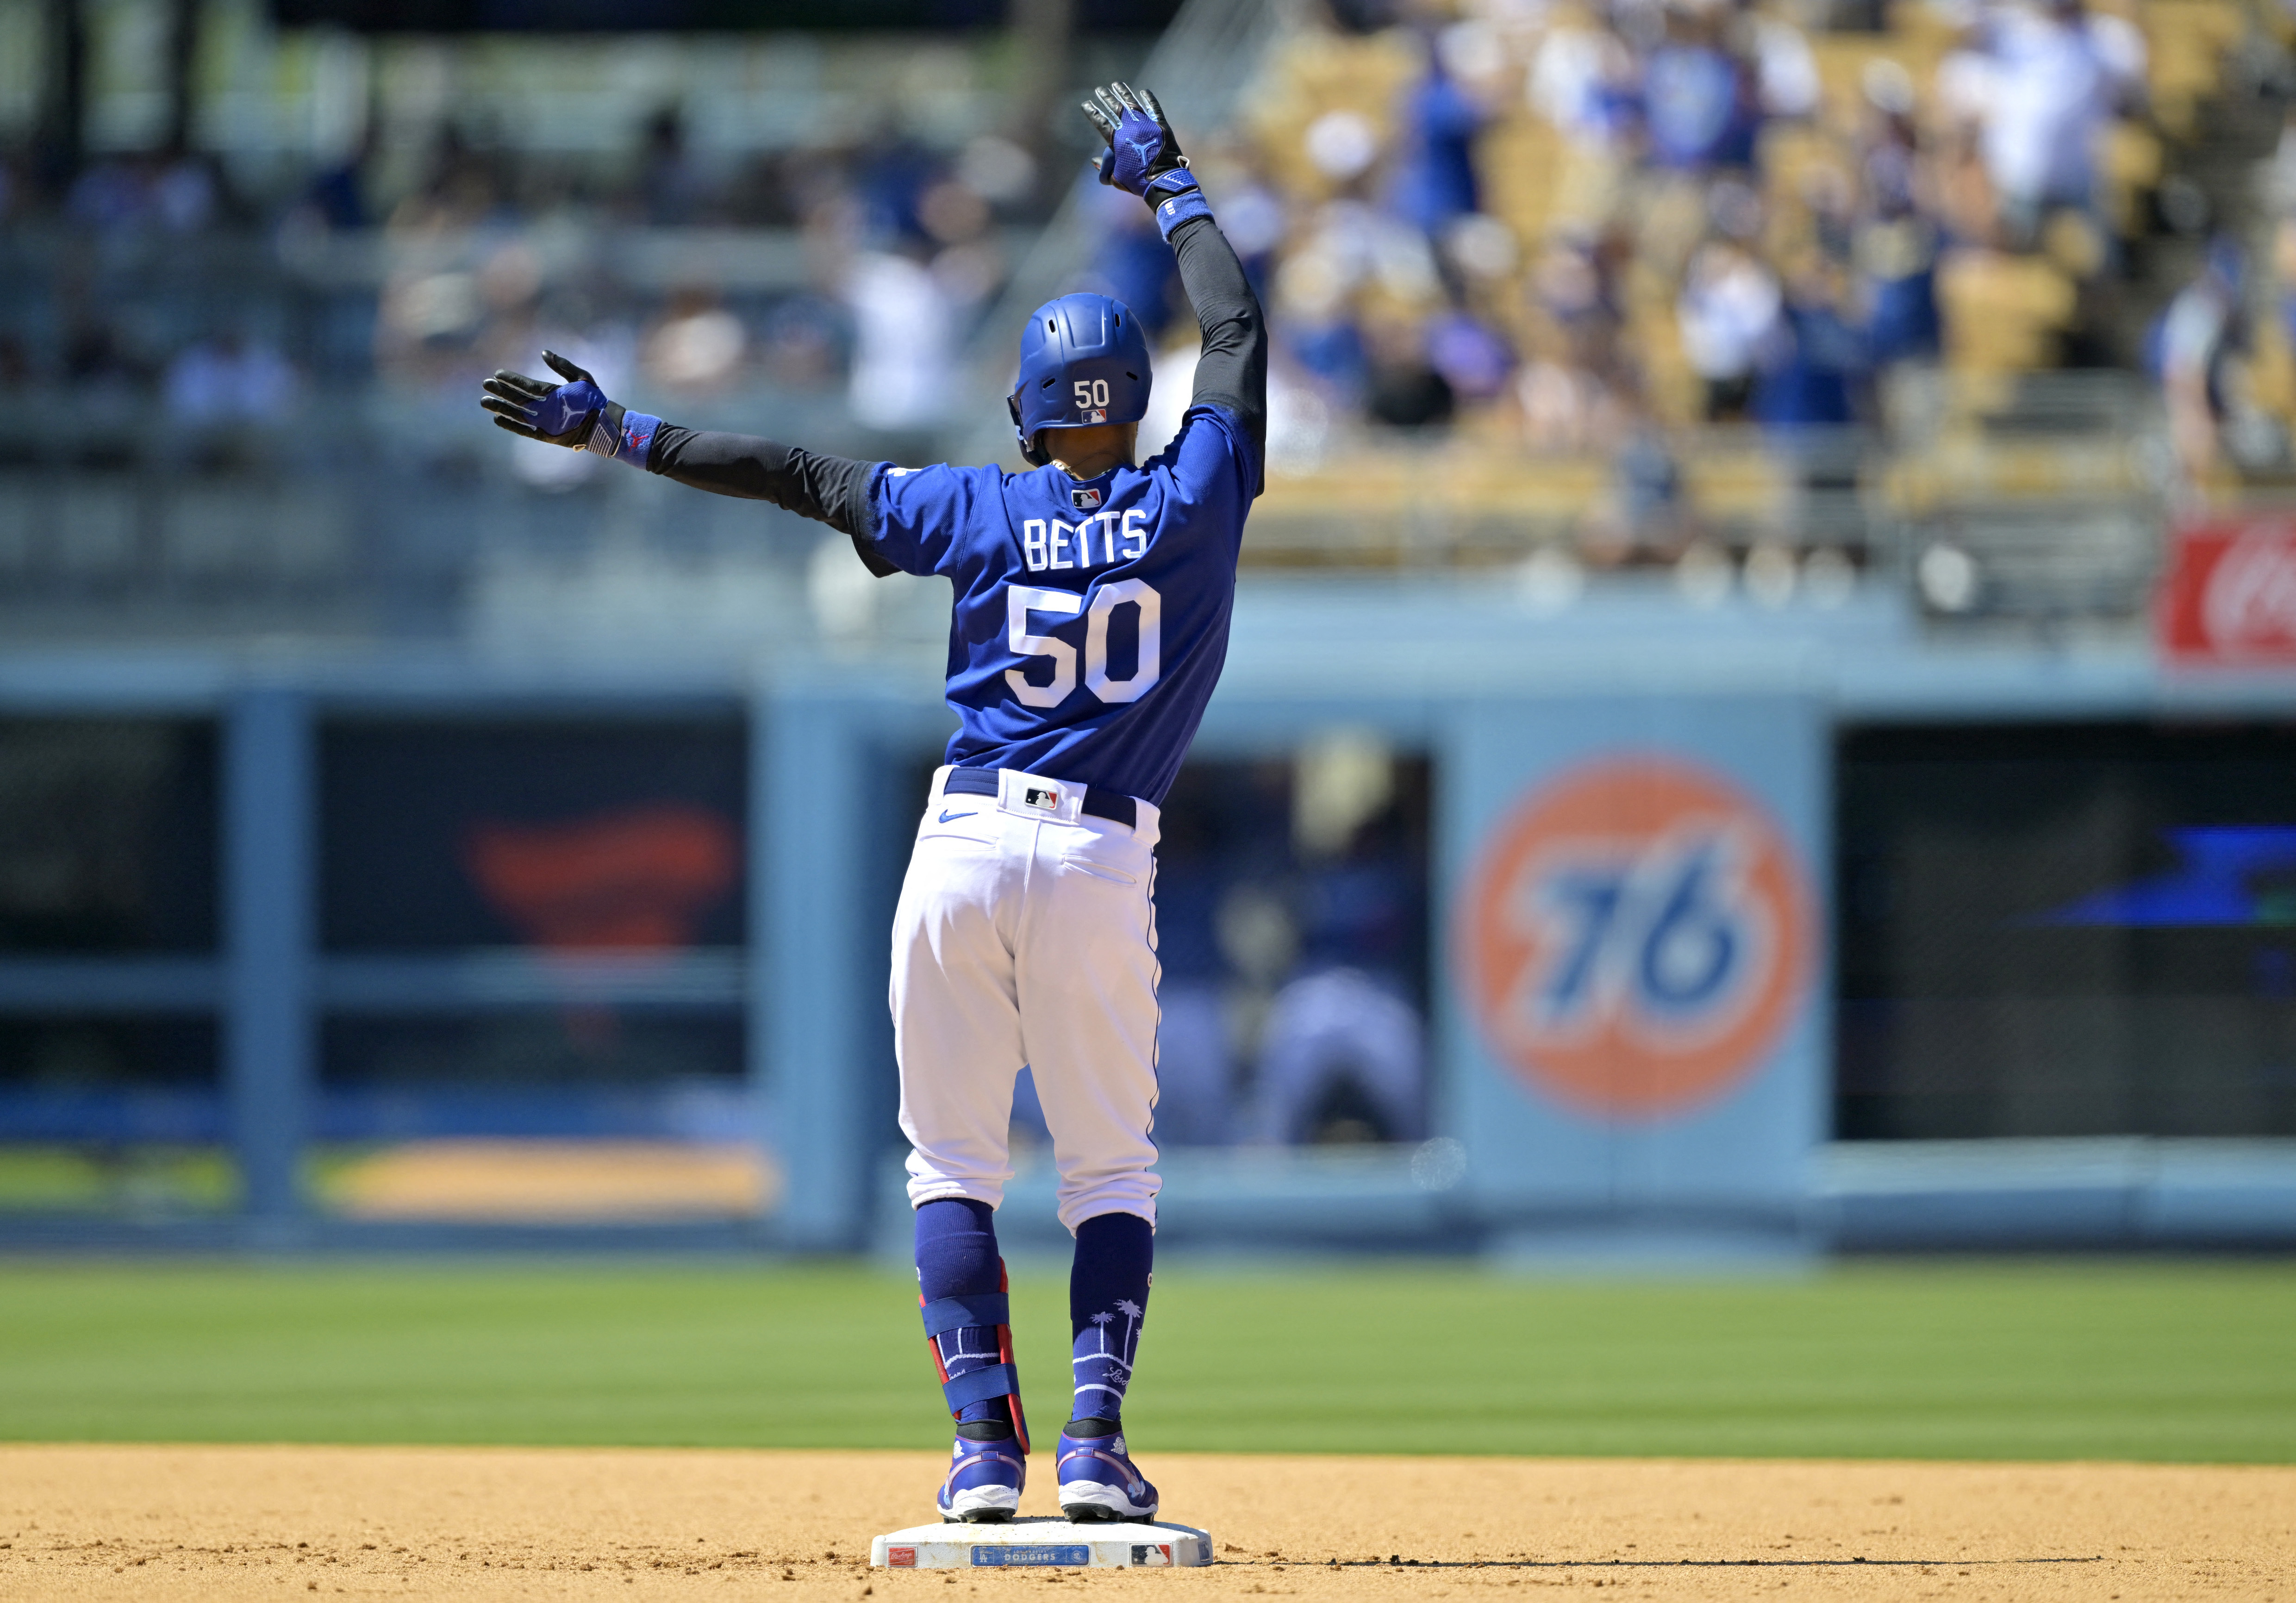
(1143, 159)
(576, 414)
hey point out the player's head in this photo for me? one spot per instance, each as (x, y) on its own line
(1084, 362)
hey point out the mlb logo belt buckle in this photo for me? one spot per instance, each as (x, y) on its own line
(1026, 796)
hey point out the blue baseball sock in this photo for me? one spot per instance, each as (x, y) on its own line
(957, 1258)
(1108, 1298)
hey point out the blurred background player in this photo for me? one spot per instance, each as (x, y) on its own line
(1093, 597)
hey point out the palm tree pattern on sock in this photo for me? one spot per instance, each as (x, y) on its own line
(1102, 1361)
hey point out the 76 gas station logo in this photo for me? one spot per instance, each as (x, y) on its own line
(1634, 936)
(1655, 936)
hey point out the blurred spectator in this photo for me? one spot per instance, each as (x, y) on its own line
(1567, 408)
(1897, 260)
(1812, 365)
(1577, 392)
(229, 380)
(109, 195)
(337, 198)
(186, 192)
(2196, 340)
(1320, 338)
(1701, 101)
(1730, 303)
(1343, 145)
(762, 194)
(1255, 219)
(800, 345)
(1896, 245)
(1642, 514)
(672, 191)
(438, 324)
(1471, 357)
(696, 347)
(904, 370)
(1132, 262)
(1584, 82)
(1434, 178)
(890, 174)
(1405, 389)
(460, 190)
(1785, 69)
(1342, 1061)
(2051, 78)
(997, 169)
(967, 264)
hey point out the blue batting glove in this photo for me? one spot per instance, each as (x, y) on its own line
(1141, 144)
(575, 414)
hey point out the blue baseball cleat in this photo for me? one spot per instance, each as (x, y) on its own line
(984, 1481)
(1100, 1483)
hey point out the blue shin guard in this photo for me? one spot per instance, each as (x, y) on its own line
(972, 1341)
(961, 1287)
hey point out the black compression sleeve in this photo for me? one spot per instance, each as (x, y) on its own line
(829, 489)
(1233, 370)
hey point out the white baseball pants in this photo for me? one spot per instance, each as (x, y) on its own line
(1026, 938)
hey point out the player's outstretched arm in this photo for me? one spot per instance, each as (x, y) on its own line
(576, 414)
(1143, 159)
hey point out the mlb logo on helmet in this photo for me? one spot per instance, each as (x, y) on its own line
(1636, 935)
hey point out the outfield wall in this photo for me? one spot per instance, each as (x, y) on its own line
(1643, 1029)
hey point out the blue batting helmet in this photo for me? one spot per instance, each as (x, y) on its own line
(1084, 360)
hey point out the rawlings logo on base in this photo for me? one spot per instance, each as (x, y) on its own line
(901, 1559)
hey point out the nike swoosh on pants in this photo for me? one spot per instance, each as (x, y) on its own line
(944, 817)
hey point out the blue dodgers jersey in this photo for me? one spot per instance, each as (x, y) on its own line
(1091, 618)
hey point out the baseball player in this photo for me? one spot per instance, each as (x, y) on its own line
(1092, 598)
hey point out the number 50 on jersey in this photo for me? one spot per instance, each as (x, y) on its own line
(1020, 600)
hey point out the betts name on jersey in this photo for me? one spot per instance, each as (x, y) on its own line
(1091, 618)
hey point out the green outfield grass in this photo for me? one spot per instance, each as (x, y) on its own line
(2144, 1359)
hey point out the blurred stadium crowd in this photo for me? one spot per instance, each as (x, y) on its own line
(1558, 227)
(1588, 228)
(785, 270)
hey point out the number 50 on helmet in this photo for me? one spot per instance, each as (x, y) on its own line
(1083, 362)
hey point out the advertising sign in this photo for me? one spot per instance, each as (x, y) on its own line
(1637, 951)
(1638, 934)
(2229, 595)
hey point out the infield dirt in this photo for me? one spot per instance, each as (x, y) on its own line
(105, 1522)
